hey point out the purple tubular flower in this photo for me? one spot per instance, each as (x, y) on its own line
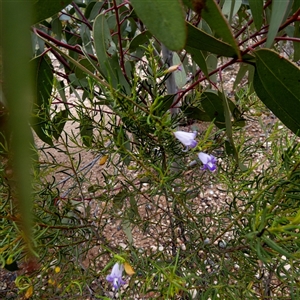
(115, 277)
(186, 138)
(209, 161)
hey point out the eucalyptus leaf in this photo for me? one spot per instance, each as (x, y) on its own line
(44, 8)
(59, 121)
(199, 40)
(40, 120)
(279, 11)
(212, 14)
(180, 74)
(109, 64)
(257, 10)
(276, 82)
(171, 28)
(86, 130)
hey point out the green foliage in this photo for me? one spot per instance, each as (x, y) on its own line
(112, 182)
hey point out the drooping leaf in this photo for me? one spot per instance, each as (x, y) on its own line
(40, 120)
(196, 113)
(59, 121)
(127, 230)
(212, 62)
(199, 59)
(213, 16)
(199, 40)
(123, 143)
(164, 19)
(230, 8)
(278, 13)
(86, 130)
(257, 10)
(85, 35)
(277, 84)
(119, 199)
(240, 75)
(139, 40)
(180, 75)
(44, 8)
(109, 65)
(213, 106)
(164, 104)
(296, 44)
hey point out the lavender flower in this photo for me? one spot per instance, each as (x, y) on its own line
(186, 138)
(209, 161)
(115, 277)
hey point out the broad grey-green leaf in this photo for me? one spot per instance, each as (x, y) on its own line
(213, 16)
(277, 84)
(279, 11)
(44, 8)
(257, 9)
(199, 40)
(164, 19)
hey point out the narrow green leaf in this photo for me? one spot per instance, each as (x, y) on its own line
(273, 245)
(276, 82)
(213, 16)
(279, 11)
(44, 8)
(164, 19)
(199, 40)
(257, 10)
